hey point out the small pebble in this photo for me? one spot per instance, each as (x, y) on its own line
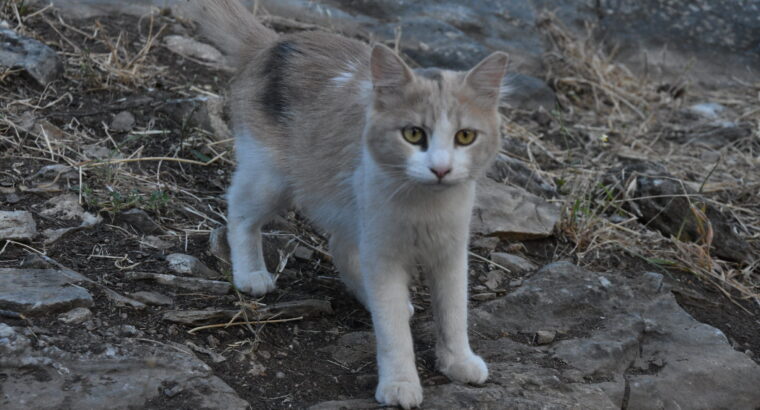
(303, 253)
(483, 296)
(128, 331)
(123, 121)
(75, 316)
(544, 337)
(152, 298)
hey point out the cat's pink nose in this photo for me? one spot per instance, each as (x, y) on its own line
(440, 172)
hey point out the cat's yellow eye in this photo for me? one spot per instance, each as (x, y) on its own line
(413, 135)
(465, 137)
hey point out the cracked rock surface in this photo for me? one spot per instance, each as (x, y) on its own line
(621, 342)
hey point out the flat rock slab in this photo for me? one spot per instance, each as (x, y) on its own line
(628, 331)
(127, 375)
(38, 291)
(511, 213)
(17, 225)
(616, 340)
(667, 204)
(215, 287)
(39, 60)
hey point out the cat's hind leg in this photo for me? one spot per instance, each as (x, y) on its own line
(258, 192)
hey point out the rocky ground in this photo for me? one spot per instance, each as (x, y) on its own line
(614, 257)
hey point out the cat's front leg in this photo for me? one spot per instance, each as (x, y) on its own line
(386, 284)
(448, 282)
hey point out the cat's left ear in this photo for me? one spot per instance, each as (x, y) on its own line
(387, 68)
(486, 78)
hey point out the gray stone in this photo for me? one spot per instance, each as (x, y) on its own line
(215, 287)
(65, 207)
(56, 171)
(704, 132)
(217, 243)
(38, 291)
(621, 323)
(152, 298)
(353, 349)
(303, 253)
(660, 201)
(494, 279)
(127, 331)
(37, 59)
(194, 49)
(75, 316)
(528, 93)
(626, 341)
(215, 357)
(121, 300)
(128, 375)
(483, 296)
(35, 261)
(88, 221)
(544, 337)
(203, 111)
(515, 264)
(190, 265)
(17, 225)
(519, 174)
(709, 110)
(511, 213)
(122, 122)
(12, 198)
(156, 242)
(139, 220)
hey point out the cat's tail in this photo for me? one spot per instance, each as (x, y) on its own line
(231, 27)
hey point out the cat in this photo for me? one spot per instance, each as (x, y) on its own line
(382, 157)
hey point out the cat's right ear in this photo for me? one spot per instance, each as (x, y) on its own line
(388, 70)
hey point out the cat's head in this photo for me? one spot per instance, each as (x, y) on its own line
(430, 126)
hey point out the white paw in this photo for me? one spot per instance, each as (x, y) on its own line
(403, 393)
(469, 368)
(411, 309)
(256, 283)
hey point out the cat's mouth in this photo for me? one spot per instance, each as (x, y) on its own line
(441, 184)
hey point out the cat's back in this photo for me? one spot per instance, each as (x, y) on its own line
(304, 100)
(305, 92)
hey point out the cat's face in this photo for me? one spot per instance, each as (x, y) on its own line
(434, 127)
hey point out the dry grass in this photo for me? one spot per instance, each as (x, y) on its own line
(622, 116)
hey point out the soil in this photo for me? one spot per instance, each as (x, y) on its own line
(297, 372)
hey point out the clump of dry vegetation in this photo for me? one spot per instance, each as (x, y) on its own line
(607, 115)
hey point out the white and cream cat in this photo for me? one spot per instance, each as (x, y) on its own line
(382, 157)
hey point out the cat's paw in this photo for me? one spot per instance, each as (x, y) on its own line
(256, 283)
(469, 368)
(410, 307)
(403, 393)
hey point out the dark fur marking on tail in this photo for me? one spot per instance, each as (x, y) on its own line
(274, 98)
